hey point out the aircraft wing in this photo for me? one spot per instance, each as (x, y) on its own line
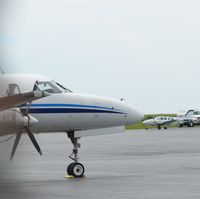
(169, 122)
(13, 101)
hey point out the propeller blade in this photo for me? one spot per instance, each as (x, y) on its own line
(27, 110)
(33, 140)
(18, 136)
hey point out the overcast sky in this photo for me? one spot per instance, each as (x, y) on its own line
(146, 51)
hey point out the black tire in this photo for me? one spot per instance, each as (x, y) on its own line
(77, 170)
(165, 127)
(69, 170)
(159, 127)
(179, 125)
(191, 124)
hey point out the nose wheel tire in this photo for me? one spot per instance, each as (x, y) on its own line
(69, 170)
(76, 169)
(159, 127)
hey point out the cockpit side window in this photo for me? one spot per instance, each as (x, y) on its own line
(66, 90)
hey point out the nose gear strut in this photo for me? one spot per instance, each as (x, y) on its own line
(75, 169)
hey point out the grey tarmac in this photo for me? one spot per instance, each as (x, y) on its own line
(138, 164)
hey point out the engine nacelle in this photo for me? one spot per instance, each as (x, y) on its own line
(13, 121)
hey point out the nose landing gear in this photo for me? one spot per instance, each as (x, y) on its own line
(75, 169)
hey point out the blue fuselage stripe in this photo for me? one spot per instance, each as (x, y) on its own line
(69, 110)
(69, 105)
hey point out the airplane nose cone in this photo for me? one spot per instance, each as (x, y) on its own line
(145, 122)
(149, 122)
(134, 116)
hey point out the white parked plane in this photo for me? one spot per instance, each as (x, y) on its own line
(160, 121)
(33, 103)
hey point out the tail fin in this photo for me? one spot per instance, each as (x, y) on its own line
(1, 70)
(189, 113)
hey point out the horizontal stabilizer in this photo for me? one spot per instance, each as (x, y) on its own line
(189, 114)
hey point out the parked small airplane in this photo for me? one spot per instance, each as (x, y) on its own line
(160, 121)
(34, 103)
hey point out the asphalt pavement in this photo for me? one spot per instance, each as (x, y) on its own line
(139, 164)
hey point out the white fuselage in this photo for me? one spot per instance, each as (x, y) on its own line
(69, 111)
(64, 111)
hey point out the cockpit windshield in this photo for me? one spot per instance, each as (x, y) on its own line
(66, 90)
(50, 87)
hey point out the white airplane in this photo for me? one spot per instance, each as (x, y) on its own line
(160, 121)
(34, 103)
